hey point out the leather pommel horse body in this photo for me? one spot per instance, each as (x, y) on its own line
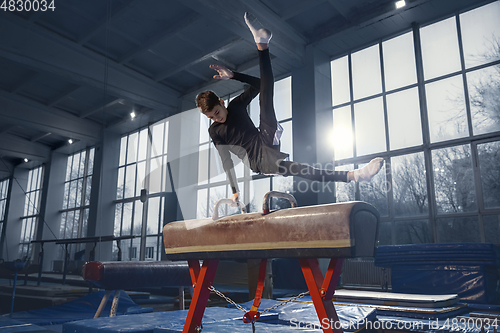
(335, 231)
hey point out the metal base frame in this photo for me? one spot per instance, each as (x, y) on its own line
(321, 289)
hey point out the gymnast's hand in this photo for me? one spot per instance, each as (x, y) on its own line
(224, 73)
(236, 200)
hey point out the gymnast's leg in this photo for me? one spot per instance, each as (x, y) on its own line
(268, 123)
(290, 168)
(365, 174)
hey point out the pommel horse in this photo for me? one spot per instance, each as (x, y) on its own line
(335, 231)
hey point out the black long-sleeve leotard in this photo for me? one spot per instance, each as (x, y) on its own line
(239, 135)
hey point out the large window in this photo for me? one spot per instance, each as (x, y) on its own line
(76, 202)
(212, 181)
(31, 213)
(143, 169)
(4, 192)
(427, 101)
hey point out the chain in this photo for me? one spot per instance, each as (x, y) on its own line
(275, 306)
(230, 301)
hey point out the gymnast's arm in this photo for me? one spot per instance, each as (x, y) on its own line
(227, 164)
(250, 92)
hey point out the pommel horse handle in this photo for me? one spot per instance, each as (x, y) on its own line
(275, 194)
(215, 215)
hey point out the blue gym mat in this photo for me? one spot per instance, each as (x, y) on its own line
(78, 309)
(223, 319)
(170, 321)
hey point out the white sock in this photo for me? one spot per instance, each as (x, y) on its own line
(366, 173)
(260, 34)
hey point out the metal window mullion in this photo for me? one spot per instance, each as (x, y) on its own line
(36, 204)
(425, 131)
(209, 183)
(75, 179)
(5, 217)
(479, 189)
(84, 192)
(30, 181)
(388, 180)
(163, 178)
(124, 186)
(30, 190)
(357, 195)
(474, 151)
(145, 208)
(133, 204)
(464, 76)
(456, 214)
(124, 166)
(68, 194)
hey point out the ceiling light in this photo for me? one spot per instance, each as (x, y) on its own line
(70, 141)
(26, 160)
(132, 115)
(400, 4)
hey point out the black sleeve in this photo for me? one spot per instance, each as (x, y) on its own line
(227, 161)
(253, 90)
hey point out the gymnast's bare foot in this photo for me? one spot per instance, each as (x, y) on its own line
(366, 173)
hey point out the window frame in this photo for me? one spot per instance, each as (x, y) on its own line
(427, 146)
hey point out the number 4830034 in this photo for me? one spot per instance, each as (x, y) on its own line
(27, 5)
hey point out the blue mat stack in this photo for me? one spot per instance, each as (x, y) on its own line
(467, 269)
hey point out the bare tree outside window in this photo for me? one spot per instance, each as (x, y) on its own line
(412, 232)
(489, 162)
(409, 185)
(454, 179)
(484, 89)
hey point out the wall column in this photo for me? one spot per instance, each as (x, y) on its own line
(312, 123)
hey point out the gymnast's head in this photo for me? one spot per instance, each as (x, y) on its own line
(212, 106)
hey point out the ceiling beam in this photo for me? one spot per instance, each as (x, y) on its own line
(7, 129)
(40, 137)
(374, 12)
(23, 112)
(51, 53)
(14, 146)
(213, 83)
(203, 55)
(90, 112)
(63, 95)
(223, 61)
(341, 7)
(175, 28)
(299, 8)
(6, 168)
(24, 81)
(101, 24)
(229, 15)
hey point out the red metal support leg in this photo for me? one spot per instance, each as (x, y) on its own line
(194, 270)
(202, 281)
(322, 290)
